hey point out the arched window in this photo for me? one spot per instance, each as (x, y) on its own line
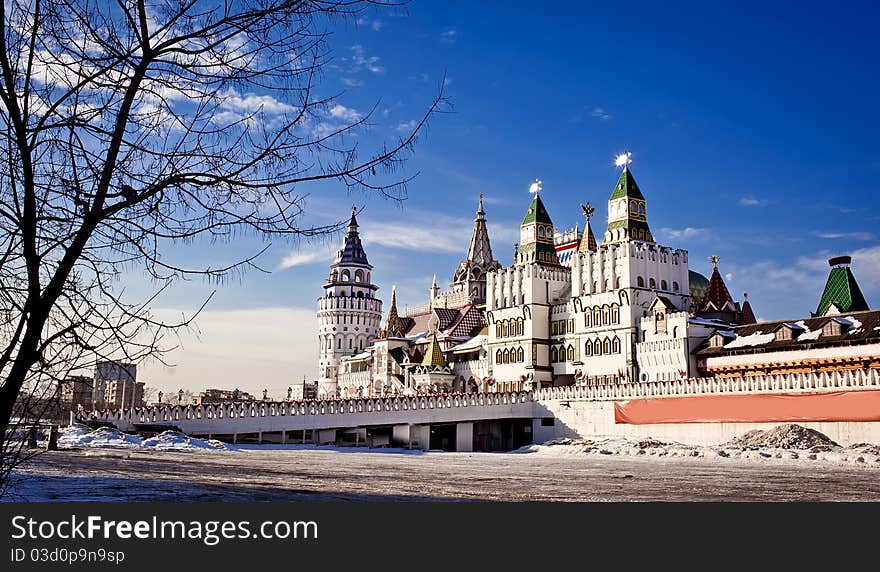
(597, 317)
(595, 286)
(498, 357)
(606, 317)
(615, 314)
(597, 348)
(652, 284)
(588, 348)
(359, 276)
(588, 318)
(606, 346)
(641, 282)
(675, 286)
(505, 329)
(615, 345)
(570, 353)
(339, 344)
(520, 355)
(633, 208)
(351, 343)
(663, 285)
(607, 284)
(554, 355)
(520, 323)
(506, 356)
(617, 282)
(346, 276)
(497, 329)
(540, 232)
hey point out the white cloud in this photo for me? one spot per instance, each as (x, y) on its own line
(728, 276)
(352, 82)
(374, 25)
(751, 202)
(406, 126)
(684, 233)
(251, 349)
(345, 113)
(419, 237)
(303, 258)
(251, 103)
(449, 36)
(852, 235)
(601, 114)
(361, 61)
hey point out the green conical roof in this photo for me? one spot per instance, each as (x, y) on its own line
(626, 187)
(842, 290)
(537, 212)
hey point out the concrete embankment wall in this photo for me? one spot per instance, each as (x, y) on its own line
(595, 419)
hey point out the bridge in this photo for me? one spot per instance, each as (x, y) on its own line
(447, 420)
(464, 421)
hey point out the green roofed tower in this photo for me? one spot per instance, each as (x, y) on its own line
(536, 234)
(627, 212)
(842, 292)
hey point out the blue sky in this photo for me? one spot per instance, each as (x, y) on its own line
(753, 128)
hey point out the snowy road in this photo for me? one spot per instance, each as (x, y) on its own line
(320, 475)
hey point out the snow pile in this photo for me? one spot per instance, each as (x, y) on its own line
(807, 335)
(785, 442)
(177, 441)
(788, 436)
(80, 436)
(756, 339)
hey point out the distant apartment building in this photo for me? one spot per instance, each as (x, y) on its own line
(303, 390)
(212, 396)
(76, 392)
(115, 385)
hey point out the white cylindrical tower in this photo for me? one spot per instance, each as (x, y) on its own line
(349, 314)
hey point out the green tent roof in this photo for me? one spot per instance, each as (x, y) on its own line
(843, 291)
(626, 187)
(537, 212)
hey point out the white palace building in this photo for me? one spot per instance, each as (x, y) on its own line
(568, 311)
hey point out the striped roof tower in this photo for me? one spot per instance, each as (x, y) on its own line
(842, 292)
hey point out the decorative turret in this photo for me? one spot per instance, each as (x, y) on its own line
(588, 241)
(349, 314)
(717, 302)
(842, 292)
(434, 353)
(536, 234)
(393, 327)
(470, 275)
(627, 212)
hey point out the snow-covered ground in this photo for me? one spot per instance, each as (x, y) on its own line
(77, 436)
(785, 442)
(862, 456)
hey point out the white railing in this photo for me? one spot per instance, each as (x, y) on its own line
(168, 414)
(788, 383)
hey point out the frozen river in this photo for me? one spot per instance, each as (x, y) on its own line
(358, 475)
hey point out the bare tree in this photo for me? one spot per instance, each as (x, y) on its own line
(130, 126)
